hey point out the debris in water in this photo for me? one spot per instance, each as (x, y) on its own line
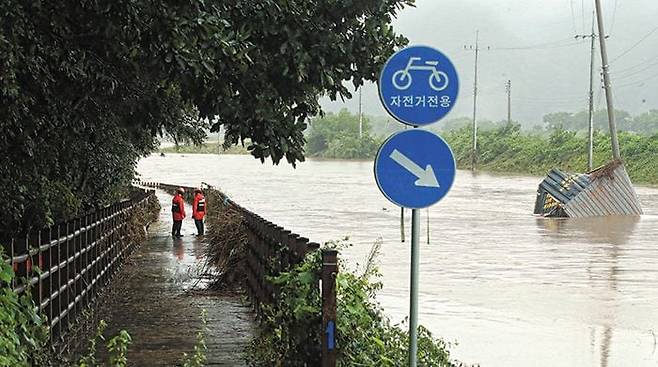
(604, 191)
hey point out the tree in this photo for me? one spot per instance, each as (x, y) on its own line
(579, 121)
(646, 123)
(337, 136)
(87, 86)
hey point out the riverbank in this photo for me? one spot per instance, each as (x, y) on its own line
(205, 148)
(511, 152)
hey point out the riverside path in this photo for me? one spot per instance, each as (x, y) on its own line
(158, 299)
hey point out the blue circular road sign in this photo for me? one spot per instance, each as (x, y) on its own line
(418, 85)
(415, 168)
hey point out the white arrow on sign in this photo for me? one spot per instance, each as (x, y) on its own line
(426, 177)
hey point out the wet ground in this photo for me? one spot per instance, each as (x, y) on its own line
(159, 295)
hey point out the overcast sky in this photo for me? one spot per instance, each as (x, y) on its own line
(531, 43)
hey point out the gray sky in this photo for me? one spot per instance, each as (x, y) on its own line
(532, 44)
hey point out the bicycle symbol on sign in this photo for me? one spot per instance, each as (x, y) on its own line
(438, 80)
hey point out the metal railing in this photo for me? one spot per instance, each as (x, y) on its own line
(66, 265)
(272, 249)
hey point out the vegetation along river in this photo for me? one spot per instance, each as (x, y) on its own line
(511, 289)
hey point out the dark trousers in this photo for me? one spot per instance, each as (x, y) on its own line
(175, 228)
(199, 225)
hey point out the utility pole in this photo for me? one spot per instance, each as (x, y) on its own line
(590, 130)
(508, 88)
(360, 115)
(606, 84)
(475, 96)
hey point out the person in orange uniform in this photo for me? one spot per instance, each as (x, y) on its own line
(178, 212)
(199, 209)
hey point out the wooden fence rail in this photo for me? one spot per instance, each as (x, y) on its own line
(271, 249)
(66, 265)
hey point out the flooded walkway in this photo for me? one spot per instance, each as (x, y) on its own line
(157, 298)
(511, 289)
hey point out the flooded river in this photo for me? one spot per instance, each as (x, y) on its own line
(509, 288)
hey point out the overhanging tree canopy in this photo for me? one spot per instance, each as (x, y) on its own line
(87, 86)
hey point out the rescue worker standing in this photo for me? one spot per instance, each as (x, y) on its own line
(178, 212)
(199, 209)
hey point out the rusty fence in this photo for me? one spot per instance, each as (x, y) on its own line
(66, 265)
(272, 249)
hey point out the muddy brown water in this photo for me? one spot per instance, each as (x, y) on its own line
(509, 288)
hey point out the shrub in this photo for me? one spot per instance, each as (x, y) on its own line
(23, 332)
(290, 332)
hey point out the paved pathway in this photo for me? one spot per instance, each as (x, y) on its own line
(155, 299)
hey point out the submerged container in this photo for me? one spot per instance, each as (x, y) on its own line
(604, 191)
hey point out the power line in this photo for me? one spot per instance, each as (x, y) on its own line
(642, 65)
(634, 45)
(638, 83)
(625, 75)
(568, 42)
(476, 49)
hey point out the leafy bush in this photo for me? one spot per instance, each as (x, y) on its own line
(23, 332)
(290, 332)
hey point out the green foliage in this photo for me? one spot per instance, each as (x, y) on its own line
(507, 149)
(645, 123)
(89, 360)
(504, 147)
(291, 332)
(337, 136)
(87, 86)
(118, 348)
(23, 332)
(198, 359)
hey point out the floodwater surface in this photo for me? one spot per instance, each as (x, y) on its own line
(509, 288)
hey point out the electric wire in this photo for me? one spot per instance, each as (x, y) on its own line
(638, 83)
(568, 42)
(631, 69)
(634, 45)
(618, 76)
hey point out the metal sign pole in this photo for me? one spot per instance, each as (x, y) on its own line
(415, 168)
(413, 304)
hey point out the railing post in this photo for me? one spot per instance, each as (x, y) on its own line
(49, 313)
(329, 273)
(59, 280)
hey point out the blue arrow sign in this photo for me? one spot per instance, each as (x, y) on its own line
(418, 85)
(414, 168)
